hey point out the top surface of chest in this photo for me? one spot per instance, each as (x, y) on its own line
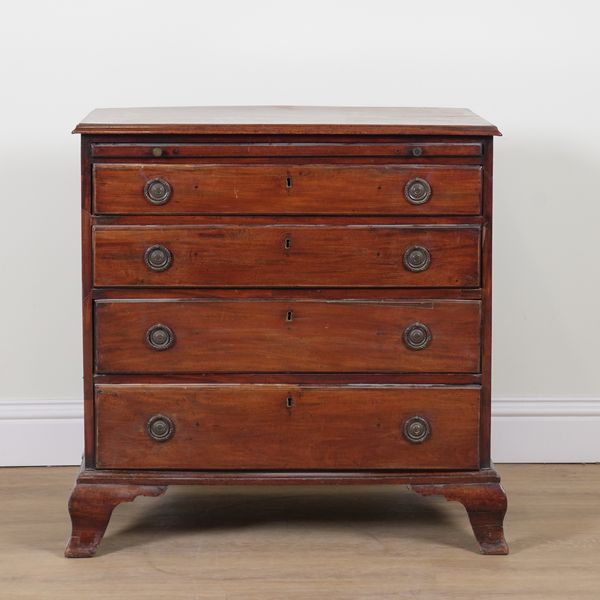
(283, 120)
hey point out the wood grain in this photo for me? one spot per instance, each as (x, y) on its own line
(305, 542)
(90, 508)
(286, 189)
(253, 427)
(486, 506)
(256, 336)
(287, 229)
(287, 256)
(412, 150)
(286, 120)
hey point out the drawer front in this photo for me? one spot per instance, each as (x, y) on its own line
(287, 255)
(286, 189)
(411, 150)
(286, 427)
(179, 336)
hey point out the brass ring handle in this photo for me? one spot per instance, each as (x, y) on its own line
(160, 428)
(417, 336)
(157, 191)
(158, 258)
(417, 191)
(416, 429)
(417, 259)
(160, 337)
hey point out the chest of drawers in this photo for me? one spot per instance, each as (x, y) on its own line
(286, 295)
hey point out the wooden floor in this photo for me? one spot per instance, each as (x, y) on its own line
(296, 543)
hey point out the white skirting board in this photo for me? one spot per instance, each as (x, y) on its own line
(50, 431)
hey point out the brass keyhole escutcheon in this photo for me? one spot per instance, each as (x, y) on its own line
(289, 316)
(288, 182)
(289, 402)
(287, 243)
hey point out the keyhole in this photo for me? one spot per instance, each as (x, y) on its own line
(287, 244)
(288, 182)
(289, 316)
(289, 402)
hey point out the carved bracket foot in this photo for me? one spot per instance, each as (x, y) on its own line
(486, 506)
(91, 506)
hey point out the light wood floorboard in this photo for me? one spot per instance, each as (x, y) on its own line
(305, 542)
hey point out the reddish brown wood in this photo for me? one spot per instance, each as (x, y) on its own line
(286, 427)
(486, 285)
(287, 256)
(293, 336)
(286, 189)
(91, 506)
(348, 168)
(296, 378)
(412, 150)
(255, 220)
(486, 506)
(290, 294)
(249, 477)
(285, 120)
(87, 303)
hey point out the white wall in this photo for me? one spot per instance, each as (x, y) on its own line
(530, 67)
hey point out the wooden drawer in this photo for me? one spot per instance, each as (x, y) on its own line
(317, 189)
(409, 150)
(298, 335)
(287, 256)
(286, 427)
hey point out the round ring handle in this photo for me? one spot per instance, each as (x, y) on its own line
(160, 337)
(417, 336)
(160, 428)
(158, 258)
(417, 191)
(416, 429)
(157, 191)
(417, 259)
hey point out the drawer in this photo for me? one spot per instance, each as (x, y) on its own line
(286, 427)
(287, 256)
(297, 335)
(410, 150)
(316, 189)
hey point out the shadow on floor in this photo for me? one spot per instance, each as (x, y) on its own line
(193, 510)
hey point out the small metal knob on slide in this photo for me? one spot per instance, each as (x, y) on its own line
(160, 428)
(416, 259)
(158, 258)
(157, 191)
(417, 336)
(160, 337)
(417, 191)
(416, 429)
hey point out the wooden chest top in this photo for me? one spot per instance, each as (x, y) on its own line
(284, 120)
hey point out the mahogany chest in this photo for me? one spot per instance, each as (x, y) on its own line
(286, 295)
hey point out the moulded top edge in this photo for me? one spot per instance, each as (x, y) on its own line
(284, 120)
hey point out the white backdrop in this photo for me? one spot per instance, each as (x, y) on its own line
(532, 68)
